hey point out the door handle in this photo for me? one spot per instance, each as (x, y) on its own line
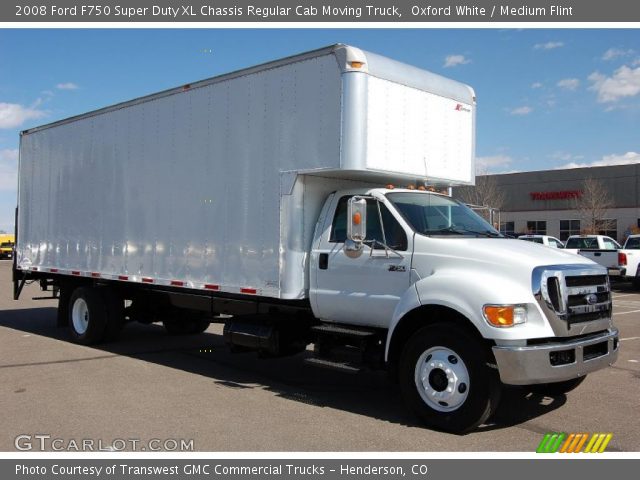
(323, 261)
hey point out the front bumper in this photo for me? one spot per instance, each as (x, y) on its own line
(535, 364)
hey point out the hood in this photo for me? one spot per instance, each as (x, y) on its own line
(494, 252)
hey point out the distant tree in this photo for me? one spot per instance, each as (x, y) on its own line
(593, 205)
(485, 193)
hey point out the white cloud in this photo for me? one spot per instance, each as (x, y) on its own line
(535, 85)
(565, 156)
(486, 164)
(455, 60)
(569, 83)
(614, 53)
(607, 160)
(625, 82)
(8, 169)
(548, 45)
(67, 86)
(523, 110)
(13, 115)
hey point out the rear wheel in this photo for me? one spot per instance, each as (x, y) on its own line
(114, 304)
(87, 316)
(444, 378)
(557, 388)
(64, 300)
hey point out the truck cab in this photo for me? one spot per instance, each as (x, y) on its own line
(464, 308)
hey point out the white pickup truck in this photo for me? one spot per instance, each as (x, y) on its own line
(602, 250)
(545, 240)
(631, 253)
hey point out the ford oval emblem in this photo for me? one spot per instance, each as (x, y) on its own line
(591, 299)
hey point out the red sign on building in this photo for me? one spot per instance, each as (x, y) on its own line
(560, 195)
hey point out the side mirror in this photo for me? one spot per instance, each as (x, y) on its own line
(356, 226)
(357, 222)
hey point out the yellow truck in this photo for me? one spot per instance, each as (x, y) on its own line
(7, 242)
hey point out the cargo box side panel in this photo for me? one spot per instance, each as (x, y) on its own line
(301, 207)
(182, 187)
(416, 132)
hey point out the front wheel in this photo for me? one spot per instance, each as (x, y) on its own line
(444, 378)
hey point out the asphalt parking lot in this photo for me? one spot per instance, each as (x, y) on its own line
(149, 385)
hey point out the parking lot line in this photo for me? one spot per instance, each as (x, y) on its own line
(629, 338)
(624, 313)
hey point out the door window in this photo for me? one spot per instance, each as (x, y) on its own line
(393, 232)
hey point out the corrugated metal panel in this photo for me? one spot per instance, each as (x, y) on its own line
(183, 186)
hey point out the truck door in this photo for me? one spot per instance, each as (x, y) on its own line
(363, 290)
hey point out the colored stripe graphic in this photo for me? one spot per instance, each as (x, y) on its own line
(555, 442)
(551, 442)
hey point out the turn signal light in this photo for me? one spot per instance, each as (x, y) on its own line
(357, 64)
(357, 218)
(505, 315)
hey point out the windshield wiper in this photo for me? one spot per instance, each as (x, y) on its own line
(463, 231)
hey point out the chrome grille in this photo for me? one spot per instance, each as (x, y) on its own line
(588, 299)
(577, 295)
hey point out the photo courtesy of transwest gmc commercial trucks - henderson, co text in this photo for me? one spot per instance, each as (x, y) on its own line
(264, 199)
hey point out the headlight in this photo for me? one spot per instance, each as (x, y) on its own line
(505, 315)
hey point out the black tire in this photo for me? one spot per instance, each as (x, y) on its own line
(635, 284)
(472, 403)
(557, 388)
(114, 304)
(87, 316)
(64, 298)
(186, 324)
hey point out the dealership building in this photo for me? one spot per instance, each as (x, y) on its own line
(546, 202)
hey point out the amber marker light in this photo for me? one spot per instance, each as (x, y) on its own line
(357, 218)
(357, 64)
(505, 315)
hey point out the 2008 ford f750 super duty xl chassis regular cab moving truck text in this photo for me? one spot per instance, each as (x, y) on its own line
(261, 195)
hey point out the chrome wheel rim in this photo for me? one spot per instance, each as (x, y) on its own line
(442, 379)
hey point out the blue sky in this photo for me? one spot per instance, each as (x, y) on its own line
(546, 98)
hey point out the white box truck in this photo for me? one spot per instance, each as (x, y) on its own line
(264, 199)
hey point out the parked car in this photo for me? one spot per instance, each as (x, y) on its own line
(601, 249)
(545, 240)
(631, 251)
